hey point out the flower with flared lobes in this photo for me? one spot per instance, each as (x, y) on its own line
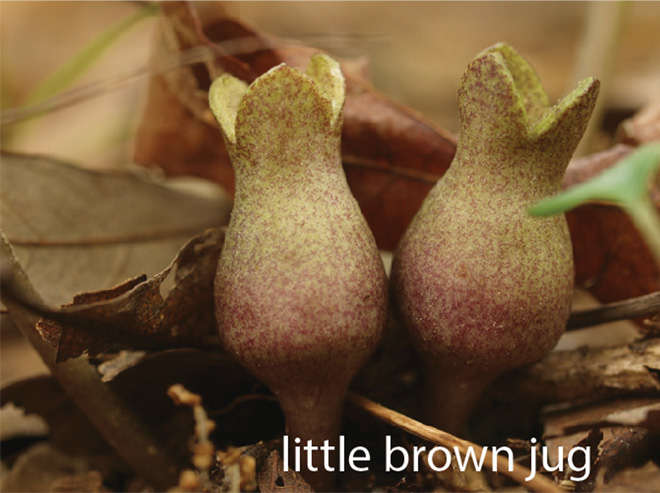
(481, 286)
(301, 293)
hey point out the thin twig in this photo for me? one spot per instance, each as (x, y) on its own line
(518, 473)
(106, 410)
(642, 306)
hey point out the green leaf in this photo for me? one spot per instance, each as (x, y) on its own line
(625, 184)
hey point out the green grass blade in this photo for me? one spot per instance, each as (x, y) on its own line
(73, 69)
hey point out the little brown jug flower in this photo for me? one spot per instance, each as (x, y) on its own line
(481, 286)
(300, 291)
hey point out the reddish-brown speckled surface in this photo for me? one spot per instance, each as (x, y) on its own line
(301, 293)
(482, 286)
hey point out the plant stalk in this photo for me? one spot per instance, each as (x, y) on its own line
(316, 418)
(449, 399)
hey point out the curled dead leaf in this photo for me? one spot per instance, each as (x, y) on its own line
(75, 230)
(174, 308)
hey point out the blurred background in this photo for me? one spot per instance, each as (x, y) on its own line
(417, 52)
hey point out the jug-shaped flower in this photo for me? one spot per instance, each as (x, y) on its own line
(482, 286)
(300, 292)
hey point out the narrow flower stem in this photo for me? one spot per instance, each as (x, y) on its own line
(316, 418)
(449, 399)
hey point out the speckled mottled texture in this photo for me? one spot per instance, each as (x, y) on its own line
(301, 293)
(482, 286)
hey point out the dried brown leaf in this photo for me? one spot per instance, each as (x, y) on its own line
(172, 138)
(392, 155)
(177, 132)
(612, 448)
(111, 415)
(75, 230)
(273, 477)
(612, 259)
(628, 447)
(645, 478)
(144, 313)
(643, 127)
